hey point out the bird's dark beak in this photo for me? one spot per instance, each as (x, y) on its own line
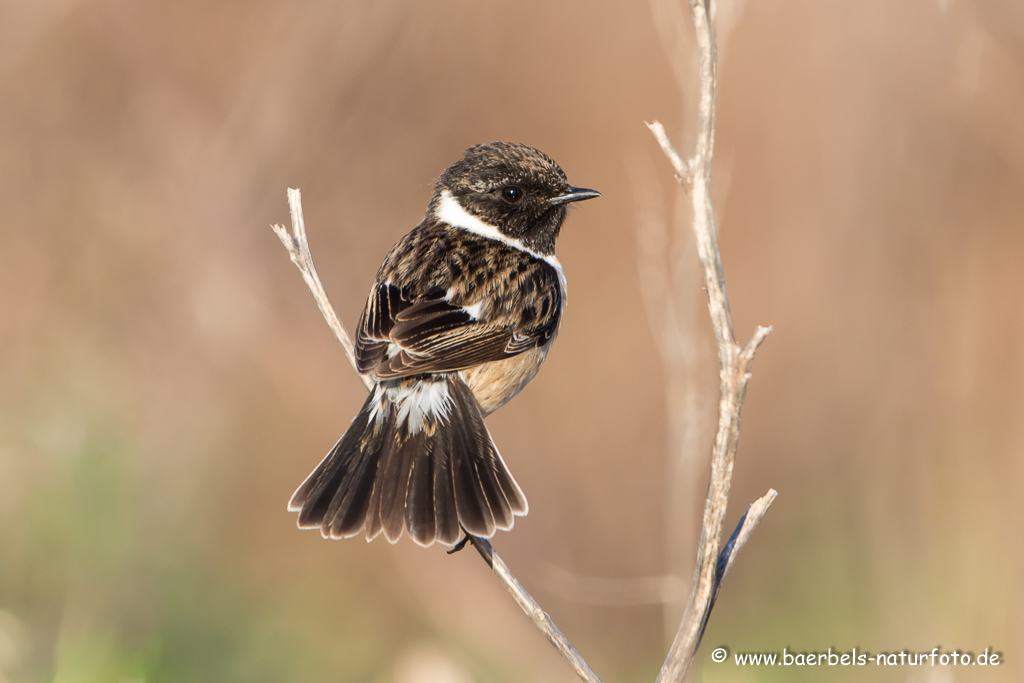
(574, 194)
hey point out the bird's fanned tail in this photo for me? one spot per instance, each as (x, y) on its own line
(417, 457)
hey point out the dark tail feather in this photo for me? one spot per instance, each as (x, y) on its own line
(448, 529)
(339, 488)
(418, 457)
(420, 515)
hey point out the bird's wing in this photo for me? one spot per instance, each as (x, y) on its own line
(401, 335)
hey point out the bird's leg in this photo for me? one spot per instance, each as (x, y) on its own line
(461, 544)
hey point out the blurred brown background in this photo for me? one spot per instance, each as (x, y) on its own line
(166, 380)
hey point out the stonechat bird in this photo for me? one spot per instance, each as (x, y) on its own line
(460, 319)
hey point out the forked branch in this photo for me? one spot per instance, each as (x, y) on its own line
(298, 249)
(694, 175)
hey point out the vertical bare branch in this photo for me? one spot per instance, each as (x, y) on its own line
(694, 174)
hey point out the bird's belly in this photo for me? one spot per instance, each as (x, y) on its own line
(495, 383)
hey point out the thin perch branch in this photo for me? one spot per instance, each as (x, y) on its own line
(694, 175)
(533, 610)
(751, 518)
(298, 250)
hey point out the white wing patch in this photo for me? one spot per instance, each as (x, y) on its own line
(475, 310)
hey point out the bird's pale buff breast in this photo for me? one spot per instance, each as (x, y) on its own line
(495, 383)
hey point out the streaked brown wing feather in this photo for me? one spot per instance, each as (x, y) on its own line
(433, 335)
(473, 350)
(415, 322)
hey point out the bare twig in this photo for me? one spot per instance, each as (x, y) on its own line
(751, 518)
(533, 610)
(694, 174)
(298, 250)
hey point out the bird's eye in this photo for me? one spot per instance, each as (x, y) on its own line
(511, 194)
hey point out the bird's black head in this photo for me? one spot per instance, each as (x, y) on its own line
(518, 190)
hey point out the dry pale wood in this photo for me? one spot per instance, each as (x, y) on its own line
(751, 518)
(694, 175)
(534, 611)
(298, 249)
